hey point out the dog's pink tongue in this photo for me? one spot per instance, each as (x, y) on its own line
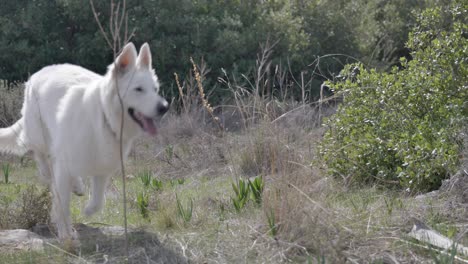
(149, 127)
(148, 124)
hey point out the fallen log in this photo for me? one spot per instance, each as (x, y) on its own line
(425, 234)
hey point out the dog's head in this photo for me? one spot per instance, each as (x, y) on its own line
(139, 87)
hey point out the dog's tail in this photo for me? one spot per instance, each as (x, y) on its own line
(11, 139)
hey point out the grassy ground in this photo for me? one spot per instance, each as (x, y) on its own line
(305, 216)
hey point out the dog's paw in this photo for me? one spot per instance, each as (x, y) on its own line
(78, 192)
(91, 209)
(78, 187)
(71, 244)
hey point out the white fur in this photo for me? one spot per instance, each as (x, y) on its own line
(71, 121)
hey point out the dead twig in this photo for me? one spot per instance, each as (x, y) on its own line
(117, 26)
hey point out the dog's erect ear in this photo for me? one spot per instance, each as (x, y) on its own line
(127, 58)
(144, 57)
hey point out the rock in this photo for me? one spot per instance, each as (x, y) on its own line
(20, 239)
(42, 230)
(112, 230)
(97, 244)
(428, 195)
(424, 234)
(457, 186)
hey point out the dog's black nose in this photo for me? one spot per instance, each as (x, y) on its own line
(162, 108)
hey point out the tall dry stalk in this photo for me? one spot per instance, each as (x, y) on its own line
(181, 93)
(263, 64)
(117, 26)
(204, 101)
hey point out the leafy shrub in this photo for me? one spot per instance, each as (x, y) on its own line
(257, 186)
(273, 226)
(157, 184)
(146, 178)
(24, 206)
(243, 189)
(401, 128)
(143, 204)
(185, 212)
(6, 172)
(242, 192)
(176, 182)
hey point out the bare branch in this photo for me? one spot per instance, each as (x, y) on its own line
(104, 34)
(118, 18)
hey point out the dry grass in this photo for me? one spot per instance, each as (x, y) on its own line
(316, 218)
(11, 101)
(24, 206)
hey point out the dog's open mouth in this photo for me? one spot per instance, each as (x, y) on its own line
(146, 123)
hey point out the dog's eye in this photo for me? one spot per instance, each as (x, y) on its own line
(139, 89)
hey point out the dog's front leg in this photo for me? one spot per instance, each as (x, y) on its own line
(43, 165)
(98, 189)
(61, 189)
(78, 187)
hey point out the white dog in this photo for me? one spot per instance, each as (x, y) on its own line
(71, 121)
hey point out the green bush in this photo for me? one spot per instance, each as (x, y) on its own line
(6, 172)
(145, 177)
(242, 193)
(401, 128)
(143, 204)
(256, 186)
(185, 212)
